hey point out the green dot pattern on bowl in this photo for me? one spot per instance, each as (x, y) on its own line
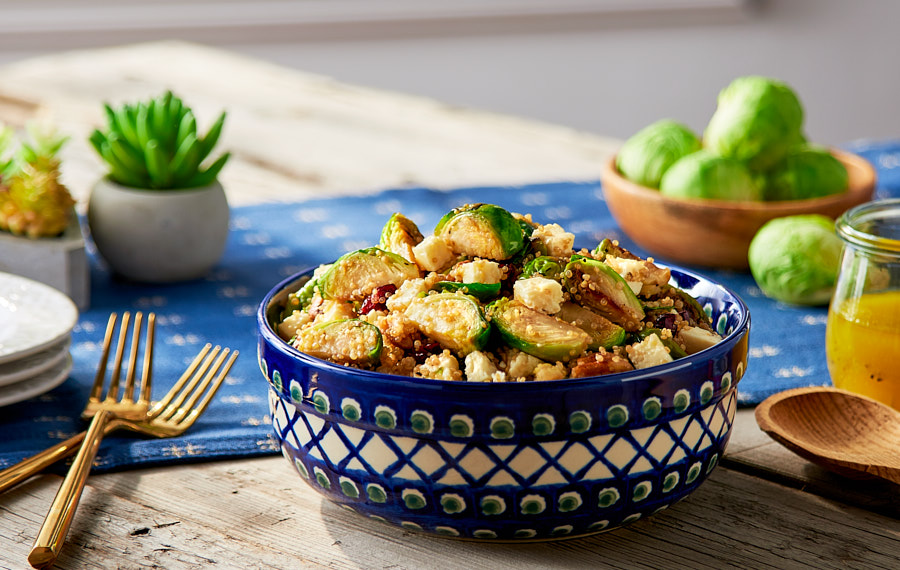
(322, 478)
(631, 518)
(349, 488)
(681, 401)
(720, 325)
(484, 533)
(385, 417)
(598, 525)
(452, 503)
(446, 530)
(296, 391)
(706, 392)
(692, 473)
(641, 491)
(670, 481)
(376, 493)
(543, 424)
(713, 461)
(651, 408)
(580, 421)
(461, 426)
(608, 497)
(725, 383)
(569, 501)
(421, 421)
(561, 530)
(409, 525)
(276, 379)
(493, 505)
(502, 427)
(617, 416)
(413, 498)
(320, 402)
(525, 533)
(351, 410)
(533, 505)
(301, 469)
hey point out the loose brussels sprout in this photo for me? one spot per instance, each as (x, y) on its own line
(806, 172)
(353, 276)
(535, 333)
(795, 259)
(544, 266)
(454, 320)
(706, 175)
(595, 285)
(481, 291)
(604, 333)
(348, 341)
(400, 235)
(646, 156)
(757, 120)
(482, 230)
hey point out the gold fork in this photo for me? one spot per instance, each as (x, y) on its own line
(169, 417)
(56, 525)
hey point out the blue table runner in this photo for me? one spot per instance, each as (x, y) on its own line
(272, 241)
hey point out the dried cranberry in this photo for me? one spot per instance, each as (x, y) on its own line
(424, 350)
(665, 321)
(377, 299)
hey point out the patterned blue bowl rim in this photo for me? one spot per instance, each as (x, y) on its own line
(711, 290)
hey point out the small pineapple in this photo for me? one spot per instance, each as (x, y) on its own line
(33, 202)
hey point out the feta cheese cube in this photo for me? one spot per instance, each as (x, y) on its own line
(539, 293)
(433, 254)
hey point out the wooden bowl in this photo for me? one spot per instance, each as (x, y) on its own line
(716, 233)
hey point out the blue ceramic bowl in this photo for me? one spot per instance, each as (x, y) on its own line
(510, 461)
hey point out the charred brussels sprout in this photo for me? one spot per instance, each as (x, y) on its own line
(807, 172)
(544, 266)
(400, 235)
(482, 230)
(757, 120)
(595, 285)
(349, 341)
(535, 333)
(707, 175)
(604, 333)
(353, 276)
(454, 320)
(646, 156)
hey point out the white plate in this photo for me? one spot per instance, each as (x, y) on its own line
(31, 387)
(31, 365)
(33, 316)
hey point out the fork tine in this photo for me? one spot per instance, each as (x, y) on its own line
(178, 401)
(97, 388)
(112, 393)
(196, 410)
(200, 388)
(128, 392)
(161, 405)
(147, 374)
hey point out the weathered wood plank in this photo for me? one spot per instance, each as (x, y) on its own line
(259, 513)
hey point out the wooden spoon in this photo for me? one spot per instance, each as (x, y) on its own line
(849, 434)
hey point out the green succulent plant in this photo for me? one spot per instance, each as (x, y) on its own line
(155, 144)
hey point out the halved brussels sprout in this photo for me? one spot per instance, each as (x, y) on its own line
(595, 285)
(481, 291)
(482, 230)
(696, 314)
(353, 276)
(348, 341)
(535, 333)
(454, 320)
(400, 235)
(604, 333)
(544, 266)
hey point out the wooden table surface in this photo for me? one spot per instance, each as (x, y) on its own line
(297, 136)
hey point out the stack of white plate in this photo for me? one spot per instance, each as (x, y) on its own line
(36, 324)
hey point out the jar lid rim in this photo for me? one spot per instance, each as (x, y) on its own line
(848, 225)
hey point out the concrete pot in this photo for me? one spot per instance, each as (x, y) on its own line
(158, 236)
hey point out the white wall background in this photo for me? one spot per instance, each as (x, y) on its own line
(602, 66)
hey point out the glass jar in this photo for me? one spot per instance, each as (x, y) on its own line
(863, 333)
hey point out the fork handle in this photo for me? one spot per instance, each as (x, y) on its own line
(56, 525)
(12, 476)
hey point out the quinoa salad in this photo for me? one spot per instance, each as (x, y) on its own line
(492, 296)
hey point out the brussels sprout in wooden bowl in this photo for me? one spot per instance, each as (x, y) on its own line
(716, 233)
